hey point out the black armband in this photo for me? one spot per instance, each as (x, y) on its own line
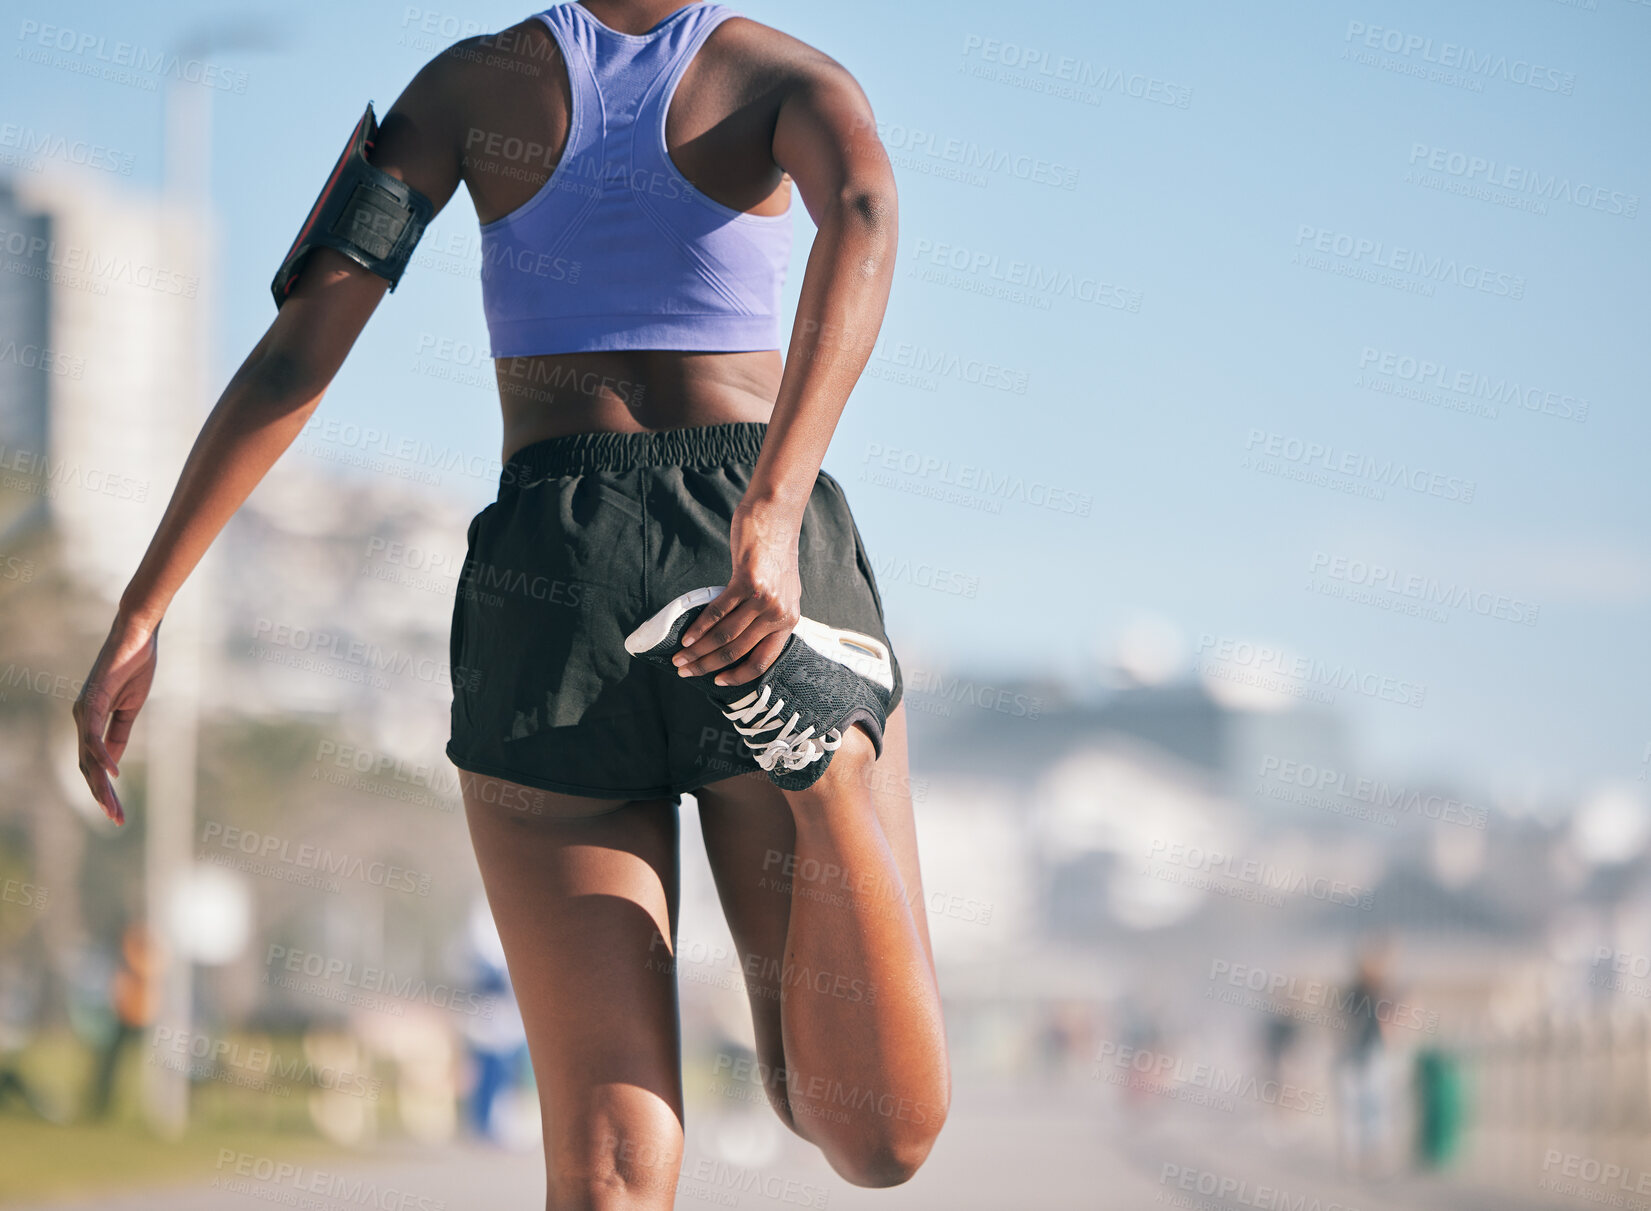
(363, 212)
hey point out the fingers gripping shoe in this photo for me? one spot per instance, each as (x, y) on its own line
(795, 715)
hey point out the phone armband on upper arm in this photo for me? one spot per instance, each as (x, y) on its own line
(363, 212)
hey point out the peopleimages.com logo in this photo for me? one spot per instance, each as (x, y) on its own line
(1459, 59)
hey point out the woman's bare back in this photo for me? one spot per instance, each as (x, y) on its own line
(511, 95)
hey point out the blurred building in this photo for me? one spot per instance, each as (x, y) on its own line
(25, 338)
(102, 285)
(336, 599)
(1183, 720)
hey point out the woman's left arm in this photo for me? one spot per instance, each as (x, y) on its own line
(262, 410)
(826, 138)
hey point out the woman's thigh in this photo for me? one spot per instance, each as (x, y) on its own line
(585, 896)
(750, 843)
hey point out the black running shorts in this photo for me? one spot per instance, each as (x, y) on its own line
(592, 534)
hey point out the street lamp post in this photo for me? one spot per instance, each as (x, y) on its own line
(174, 708)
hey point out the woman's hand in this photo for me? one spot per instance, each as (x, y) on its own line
(742, 631)
(108, 703)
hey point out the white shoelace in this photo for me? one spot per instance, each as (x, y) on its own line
(793, 751)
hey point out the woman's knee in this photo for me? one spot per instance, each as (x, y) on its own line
(886, 1155)
(609, 1162)
(870, 1140)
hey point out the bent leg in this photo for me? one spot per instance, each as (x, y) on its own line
(825, 902)
(584, 891)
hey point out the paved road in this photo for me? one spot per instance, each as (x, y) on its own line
(1070, 1148)
(1002, 1150)
(1257, 1161)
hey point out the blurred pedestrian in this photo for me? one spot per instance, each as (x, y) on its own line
(1363, 1068)
(496, 1042)
(1279, 1033)
(133, 996)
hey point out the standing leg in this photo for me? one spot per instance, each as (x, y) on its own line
(578, 888)
(825, 903)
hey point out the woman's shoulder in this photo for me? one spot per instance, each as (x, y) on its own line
(523, 51)
(772, 60)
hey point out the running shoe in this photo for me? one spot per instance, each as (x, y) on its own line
(795, 715)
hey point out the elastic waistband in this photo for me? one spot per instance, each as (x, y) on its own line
(581, 453)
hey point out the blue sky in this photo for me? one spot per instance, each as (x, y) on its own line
(1129, 293)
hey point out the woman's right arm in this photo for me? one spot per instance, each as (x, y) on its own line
(260, 413)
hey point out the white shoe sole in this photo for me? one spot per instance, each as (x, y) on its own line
(866, 656)
(652, 633)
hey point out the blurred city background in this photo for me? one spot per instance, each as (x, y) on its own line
(1252, 462)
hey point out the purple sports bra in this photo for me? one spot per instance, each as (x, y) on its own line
(618, 250)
